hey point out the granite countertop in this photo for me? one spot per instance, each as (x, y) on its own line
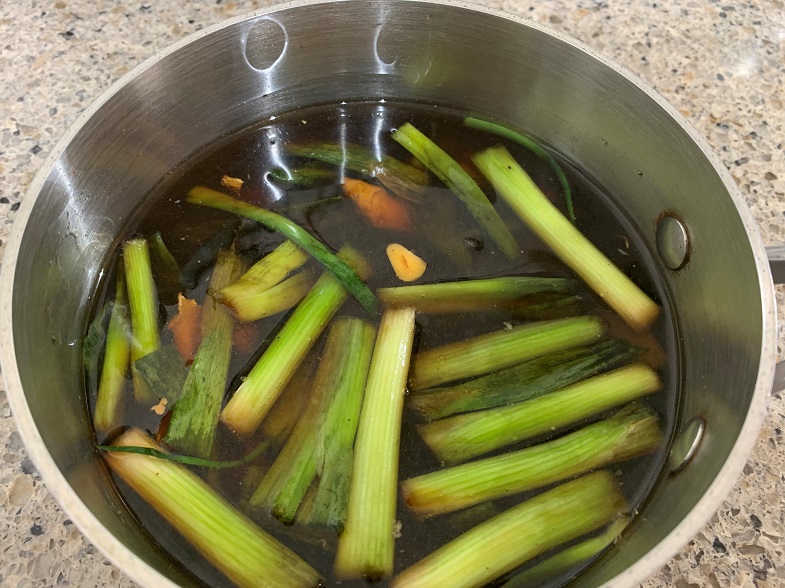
(720, 63)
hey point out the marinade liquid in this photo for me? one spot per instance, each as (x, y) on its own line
(454, 247)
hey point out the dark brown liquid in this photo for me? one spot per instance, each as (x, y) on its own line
(251, 155)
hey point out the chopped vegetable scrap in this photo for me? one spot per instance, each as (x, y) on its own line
(160, 408)
(235, 184)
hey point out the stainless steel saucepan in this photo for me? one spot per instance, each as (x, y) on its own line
(221, 79)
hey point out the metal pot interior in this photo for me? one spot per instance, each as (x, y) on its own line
(225, 78)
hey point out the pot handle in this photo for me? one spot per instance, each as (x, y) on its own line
(776, 255)
(779, 378)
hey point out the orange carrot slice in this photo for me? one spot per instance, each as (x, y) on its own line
(407, 266)
(186, 327)
(377, 205)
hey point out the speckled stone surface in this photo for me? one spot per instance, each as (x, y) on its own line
(720, 63)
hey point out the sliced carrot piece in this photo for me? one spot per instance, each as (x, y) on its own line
(407, 266)
(186, 327)
(377, 205)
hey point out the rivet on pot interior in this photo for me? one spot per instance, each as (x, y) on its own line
(673, 242)
(686, 444)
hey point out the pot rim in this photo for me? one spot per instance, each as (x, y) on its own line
(146, 575)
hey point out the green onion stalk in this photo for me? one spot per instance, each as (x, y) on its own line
(462, 520)
(458, 438)
(143, 305)
(335, 449)
(367, 545)
(264, 383)
(570, 557)
(567, 242)
(631, 432)
(524, 381)
(498, 350)
(328, 412)
(508, 540)
(246, 297)
(272, 268)
(462, 185)
(241, 374)
(251, 304)
(116, 357)
(470, 295)
(243, 552)
(194, 420)
(285, 484)
(304, 516)
(361, 160)
(531, 145)
(342, 271)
